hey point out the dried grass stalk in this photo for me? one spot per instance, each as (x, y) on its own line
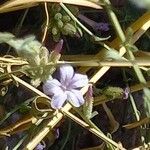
(13, 5)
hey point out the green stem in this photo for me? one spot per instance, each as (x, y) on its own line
(67, 137)
(134, 107)
(131, 98)
(15, 109)
(136, 112)
(122, 37)
(91, 124)
(114, 20)
(19, 143)
(91, 128)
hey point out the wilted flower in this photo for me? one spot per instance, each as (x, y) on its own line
(89, 93)
(66, 88)
(59, 46)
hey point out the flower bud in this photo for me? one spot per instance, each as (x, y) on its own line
(54, 31)
(66, 18)
(69, 29)
(55, 54)
(59, 46)
(60, 24)
(58, 16)
(88, 105)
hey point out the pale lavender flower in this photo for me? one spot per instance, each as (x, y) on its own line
(57, 133)
(67, 88)
(126, 93)
(41, 146)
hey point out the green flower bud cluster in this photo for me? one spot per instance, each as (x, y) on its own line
(113, 92)
(61, 23)
(38, 56)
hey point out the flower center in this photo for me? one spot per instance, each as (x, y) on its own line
(64, 88)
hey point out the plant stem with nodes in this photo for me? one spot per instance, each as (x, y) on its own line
(130, 55)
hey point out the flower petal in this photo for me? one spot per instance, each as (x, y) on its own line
(58, 100)
(75, 97)
(66, 74)
(78, 81)
(50, 87)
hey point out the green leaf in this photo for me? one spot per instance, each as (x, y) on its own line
(58, 16)
(69, 29)
(66, 18)
(60, 24)
(110, 54)
(54, 31)
(5, 36)
(147, 101)
(88, 108)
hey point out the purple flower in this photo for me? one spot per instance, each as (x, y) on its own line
(96, 26)
(67, 88)
(40, 146)
(101, 26)
(126, 93)
(57, 133)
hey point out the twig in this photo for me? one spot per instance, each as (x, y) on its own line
(31, 88)
(113, 63)
(47, 23)
(92, 63)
